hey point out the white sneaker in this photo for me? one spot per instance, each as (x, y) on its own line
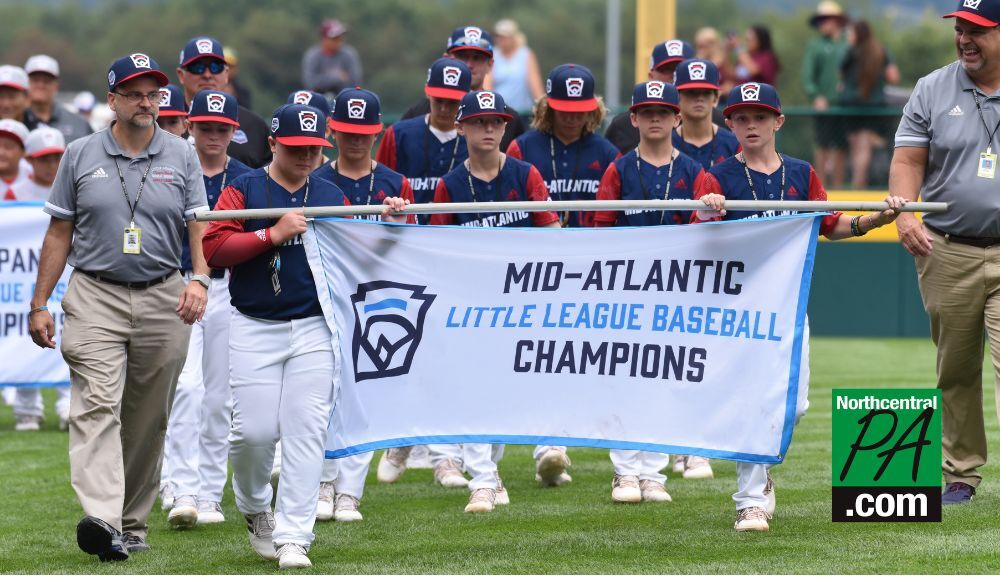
(697, 468)
(28, 423)
(769, 496)
(260, 529)
(751, 519)
(550, 469)
(167, 496)
(481, 501)
(625, 489)
(653, 491)
(502, 498)
(392, 464)
(678, 466)
(184, 514)
(447, 474)
(292, 556)
(210, 512)
(346, 508)
(324, 507)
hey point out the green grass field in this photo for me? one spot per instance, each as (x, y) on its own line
(413, 527)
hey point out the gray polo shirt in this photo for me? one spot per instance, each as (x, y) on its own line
(88, 191)
(941, 116)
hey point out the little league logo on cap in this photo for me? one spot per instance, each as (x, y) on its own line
(310, 98)
(671, 51)
(574, 87)
(204, 45)
(470, 38)
(652, 93)
(980, 12)
(172, 102)
(479, 103)
(696, 74)
(674, 48)
(274, 124)
(570, 88)
(448, 78)
(487, 99)
(758, 95)
(165, 94)
(307, 121)
(214, 106)
(750, 91)
(654, 89)
(696, 70)
(301, 97)
(132, 66)
(357, 111)
(299, 125)
(201, 47)
(139, 60)
(451, 75)
(356, 108)
(475, 34)
(216, 102)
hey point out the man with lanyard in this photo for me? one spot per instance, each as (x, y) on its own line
(126, 331)
(473, 46)
(203, 68)
(173, 111)
(426, 147)
(197, 449)
(698, 137)
(563, 144)
(281, 354)
(489, 175)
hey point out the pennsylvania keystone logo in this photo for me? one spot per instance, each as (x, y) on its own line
(388, 325)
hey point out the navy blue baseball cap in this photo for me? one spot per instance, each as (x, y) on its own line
(298, 125)
(215, 106)
(570, 88)
(172, 102)
(655, 93)
(202, 47)
(357, 111)
(759, 95)
(480, 103)
(696, 73)
(132, 66)
(311, 98)
(670, 51)
(470, 38)
(981, 12)
(448, 78)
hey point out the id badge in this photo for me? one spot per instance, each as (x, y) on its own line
(132, 241)
(987, 165)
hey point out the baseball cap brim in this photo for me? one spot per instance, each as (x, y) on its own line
(44, 152)
(169, 113)
(301, 141)
(13, 136)
(692, 86)
(670, 60)
(972, 17)
(443, 93)
(14, 86)
(355, 128)
(670, 106)
(817, 18)
(476, 48)
(504, 116)
(161, 78)
(202, 55)
(213, 119)
(573, 106)
(728, 110)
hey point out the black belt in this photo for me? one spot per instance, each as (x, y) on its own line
(977, 242)
(130, 285)
(214, 273)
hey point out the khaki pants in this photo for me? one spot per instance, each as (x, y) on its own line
(125, 349)
(960, 286)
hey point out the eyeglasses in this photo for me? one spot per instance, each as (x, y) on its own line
(198, 67)
(135, 97)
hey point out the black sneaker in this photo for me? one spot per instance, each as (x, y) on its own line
(957, 492)
(134, 543)
(95, 536)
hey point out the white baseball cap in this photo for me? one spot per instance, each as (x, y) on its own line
(14, 129)
(42, 63)
(44, 141)
(84, 101)
(13, 76)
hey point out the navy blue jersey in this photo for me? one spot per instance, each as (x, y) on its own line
(366, 191)
(213, 187)
(410, 148)
(574, 173)
(518, 181)
(624, 180)
(801, 183)
(250, 284)
(723, 146)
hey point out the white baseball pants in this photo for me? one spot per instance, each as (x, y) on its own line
(480, 461)
(642, 464)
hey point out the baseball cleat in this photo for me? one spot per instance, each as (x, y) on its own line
(481, 501)
(550, 469)
(184, 514)
(292, 556)
(678, 466)
(697, 468)
(653, 491)
(210, 512)
(625, 489)
(347, 508)
(260, 529)
(751, 519)
(447, 474)
(392, 464)
(324, 507)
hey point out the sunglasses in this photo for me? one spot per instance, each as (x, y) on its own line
(198, 67)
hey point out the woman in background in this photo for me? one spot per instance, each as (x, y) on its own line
(757, 61)
(515, 73)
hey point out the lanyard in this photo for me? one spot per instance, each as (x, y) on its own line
(693, 148)
(371, 181)
(753, 190)
(225, 171)
(552, 157)
(427, 148)
(472, 189)
(142, 182)
(670, 177)
(982, 117)
(275, 262)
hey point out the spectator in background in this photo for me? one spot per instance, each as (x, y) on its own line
(43, 84)
(235, 87)
(13, 93)
(866, 68)
(756, 61)
(821, 79)
(13, 169)
(332, 65)
(84, 103)
(515, 72)
(708, 46)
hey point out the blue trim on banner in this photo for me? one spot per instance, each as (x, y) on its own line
(387, 303)
(543, 440)
(35, 385)
(792, 395)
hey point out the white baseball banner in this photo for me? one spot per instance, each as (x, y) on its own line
(24, 364)
(677, 339)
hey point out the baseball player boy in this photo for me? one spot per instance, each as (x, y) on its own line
(173, 110)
